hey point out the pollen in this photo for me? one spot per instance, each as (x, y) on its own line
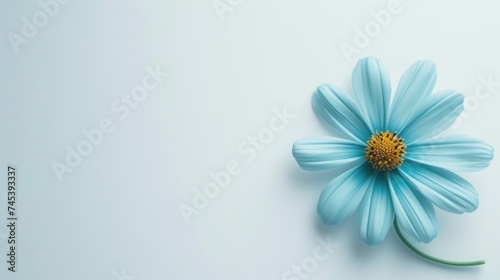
(385, 151)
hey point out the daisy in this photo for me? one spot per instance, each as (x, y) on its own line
(401, 168)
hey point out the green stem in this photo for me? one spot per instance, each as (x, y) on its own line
(429, 257)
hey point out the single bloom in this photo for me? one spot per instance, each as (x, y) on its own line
(401, 166)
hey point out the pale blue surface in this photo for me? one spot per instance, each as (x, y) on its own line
(119, 209)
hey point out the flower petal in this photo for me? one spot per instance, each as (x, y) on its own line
(342, 196)
(444, 188)
(457, 153)
(372, 86)
(376, 211)
(326, 152)
(436, 114)
(415, 85)
(415, 214)
(339, 110)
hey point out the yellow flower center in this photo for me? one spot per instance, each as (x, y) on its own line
(385, 151)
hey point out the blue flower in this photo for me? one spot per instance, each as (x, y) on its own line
(400, 169)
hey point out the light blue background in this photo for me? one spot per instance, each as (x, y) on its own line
(119, 208)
